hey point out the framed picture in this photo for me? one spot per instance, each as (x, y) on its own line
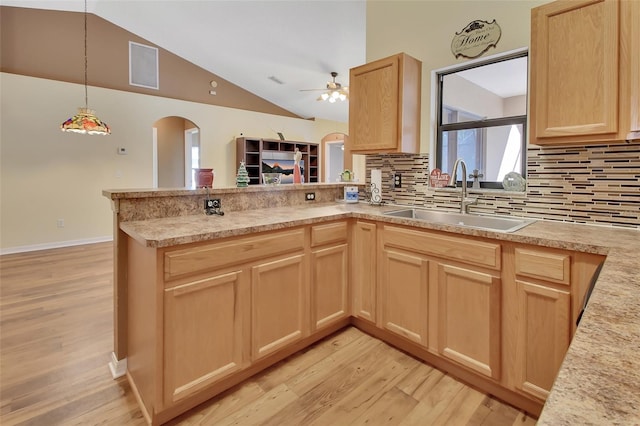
(285, 167)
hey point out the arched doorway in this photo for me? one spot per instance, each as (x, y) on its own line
(176, 152)
(335, 158)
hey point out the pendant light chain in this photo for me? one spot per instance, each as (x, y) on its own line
(85, 121)
(86, 61)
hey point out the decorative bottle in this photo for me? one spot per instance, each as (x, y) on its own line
(297, 176)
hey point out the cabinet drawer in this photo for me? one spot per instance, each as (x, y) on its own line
(543, 265)
(193, 260)
(328, 233)
(454, 248)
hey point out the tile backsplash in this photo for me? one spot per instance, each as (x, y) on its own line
(598, 184)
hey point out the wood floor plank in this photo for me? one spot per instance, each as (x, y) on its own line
(223, 406)
(56, 336)
(362, 397)
(264, 407)
(389, 410)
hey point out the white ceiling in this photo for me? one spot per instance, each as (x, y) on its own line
(299, 42)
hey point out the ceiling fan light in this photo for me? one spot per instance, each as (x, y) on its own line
(332, 99)
(343, 96)
(324, 96)
(335, 94)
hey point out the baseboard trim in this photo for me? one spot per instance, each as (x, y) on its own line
(57, 244)
(118, 367)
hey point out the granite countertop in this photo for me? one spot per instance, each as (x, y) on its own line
(599, 381)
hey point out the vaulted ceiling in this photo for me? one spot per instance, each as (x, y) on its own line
(272, 48)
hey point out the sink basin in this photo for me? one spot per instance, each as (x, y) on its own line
(491, 223)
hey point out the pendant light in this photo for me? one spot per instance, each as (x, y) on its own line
(85, 121)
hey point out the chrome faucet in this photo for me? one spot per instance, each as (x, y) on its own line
(464, 201)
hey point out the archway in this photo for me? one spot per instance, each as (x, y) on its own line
(333, 145)
(176, 152)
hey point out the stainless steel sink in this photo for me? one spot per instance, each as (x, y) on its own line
(492, 223)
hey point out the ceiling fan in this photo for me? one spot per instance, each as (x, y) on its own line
(333, 92)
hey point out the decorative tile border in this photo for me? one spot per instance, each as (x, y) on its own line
(598, 184)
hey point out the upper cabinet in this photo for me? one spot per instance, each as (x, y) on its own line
(584, 76)
(634, 48)
(384, 106)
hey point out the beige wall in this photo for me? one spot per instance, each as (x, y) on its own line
(170, 138)
(46, 175)
(424, 29)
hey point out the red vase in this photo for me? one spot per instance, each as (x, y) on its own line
(204, 178)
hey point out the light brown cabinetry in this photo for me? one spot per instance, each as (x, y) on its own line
(384, 106)
(364, 271)
(404, 294)
(469, 306)
(279, 304)
(583, 88)
(634, 57)
(205, 332)
(544, 332)
(204, 316)
(543, 298)
(447, 285)
(329, 274)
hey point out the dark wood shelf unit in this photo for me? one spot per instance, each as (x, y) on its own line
(251, 150)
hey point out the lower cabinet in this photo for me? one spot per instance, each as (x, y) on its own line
(329, 285)
(404, 295)
(279, 304)
(364, 271)
(205, 331)
(544, 332)
(215, 312)
(469, 304)
(543, 295)
(329, 274)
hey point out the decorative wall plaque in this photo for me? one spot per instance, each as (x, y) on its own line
(475, 39)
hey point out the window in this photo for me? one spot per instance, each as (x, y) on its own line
(482, 118)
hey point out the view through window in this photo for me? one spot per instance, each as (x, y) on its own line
(482, 117)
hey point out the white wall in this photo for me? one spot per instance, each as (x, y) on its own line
(424, 30)
(48, 175)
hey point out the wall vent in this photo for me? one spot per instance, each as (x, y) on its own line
(143, 66)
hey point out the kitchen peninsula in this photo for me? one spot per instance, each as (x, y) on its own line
(174, 263)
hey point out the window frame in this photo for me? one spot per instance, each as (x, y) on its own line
(482, 123)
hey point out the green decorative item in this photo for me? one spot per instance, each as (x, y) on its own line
(242, 178)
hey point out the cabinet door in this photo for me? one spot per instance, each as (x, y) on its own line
(404, 295)
(543, 336)
(329, 285)
(279, 304)
(633, 49)
(384, 106)
(574, 70)
(373, 105)
(469, 318)
(205, 330)
(364, 271)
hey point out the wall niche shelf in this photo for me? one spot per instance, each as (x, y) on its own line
(255, 151)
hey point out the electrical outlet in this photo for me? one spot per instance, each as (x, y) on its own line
(60, 223)
(397, 180)
(310, 196)
(213, 203)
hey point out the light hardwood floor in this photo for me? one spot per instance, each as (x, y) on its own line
(56, 331)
